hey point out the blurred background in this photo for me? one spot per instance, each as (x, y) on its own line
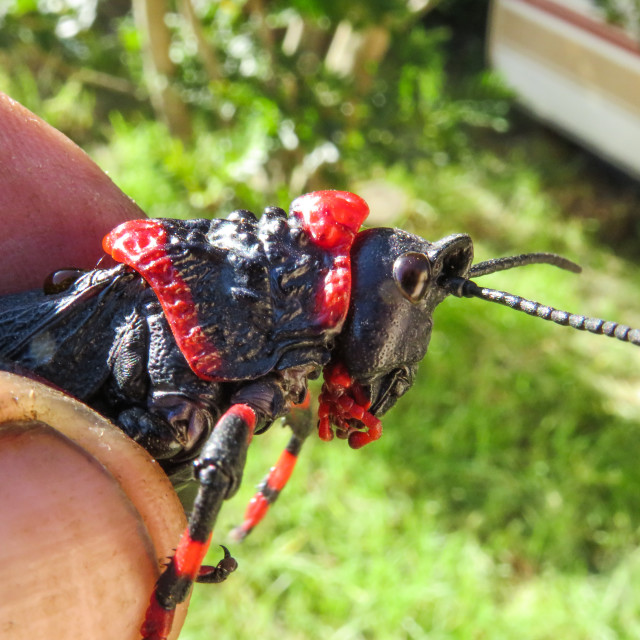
(502, 500)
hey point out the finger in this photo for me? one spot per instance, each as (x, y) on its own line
(88, 520)
(56, 204)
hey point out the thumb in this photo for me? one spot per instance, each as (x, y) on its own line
(56, 203)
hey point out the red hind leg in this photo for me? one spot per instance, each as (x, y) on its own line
(269, 489)
(218, 471)
(300, 422)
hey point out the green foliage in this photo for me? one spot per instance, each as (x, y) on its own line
(290, 120)
(625, 13)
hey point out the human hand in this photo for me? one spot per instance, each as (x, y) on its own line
(86, 516)
(56, 204)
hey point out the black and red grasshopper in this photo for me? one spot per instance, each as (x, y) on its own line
(209, 330)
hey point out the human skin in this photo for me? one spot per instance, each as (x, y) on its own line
(56, 205)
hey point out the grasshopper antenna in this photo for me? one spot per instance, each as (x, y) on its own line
(502, 264)
(464, 288)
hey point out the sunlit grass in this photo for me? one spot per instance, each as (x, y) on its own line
(502, 499)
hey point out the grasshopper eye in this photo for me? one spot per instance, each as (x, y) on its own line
(412, 273)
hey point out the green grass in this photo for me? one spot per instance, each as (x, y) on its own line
(502, 500)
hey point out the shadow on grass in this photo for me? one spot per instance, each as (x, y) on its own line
(508, 437)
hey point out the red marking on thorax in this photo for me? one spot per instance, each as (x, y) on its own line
(141, 244)
(332, 219)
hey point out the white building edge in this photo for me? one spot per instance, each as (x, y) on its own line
(573, 71)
